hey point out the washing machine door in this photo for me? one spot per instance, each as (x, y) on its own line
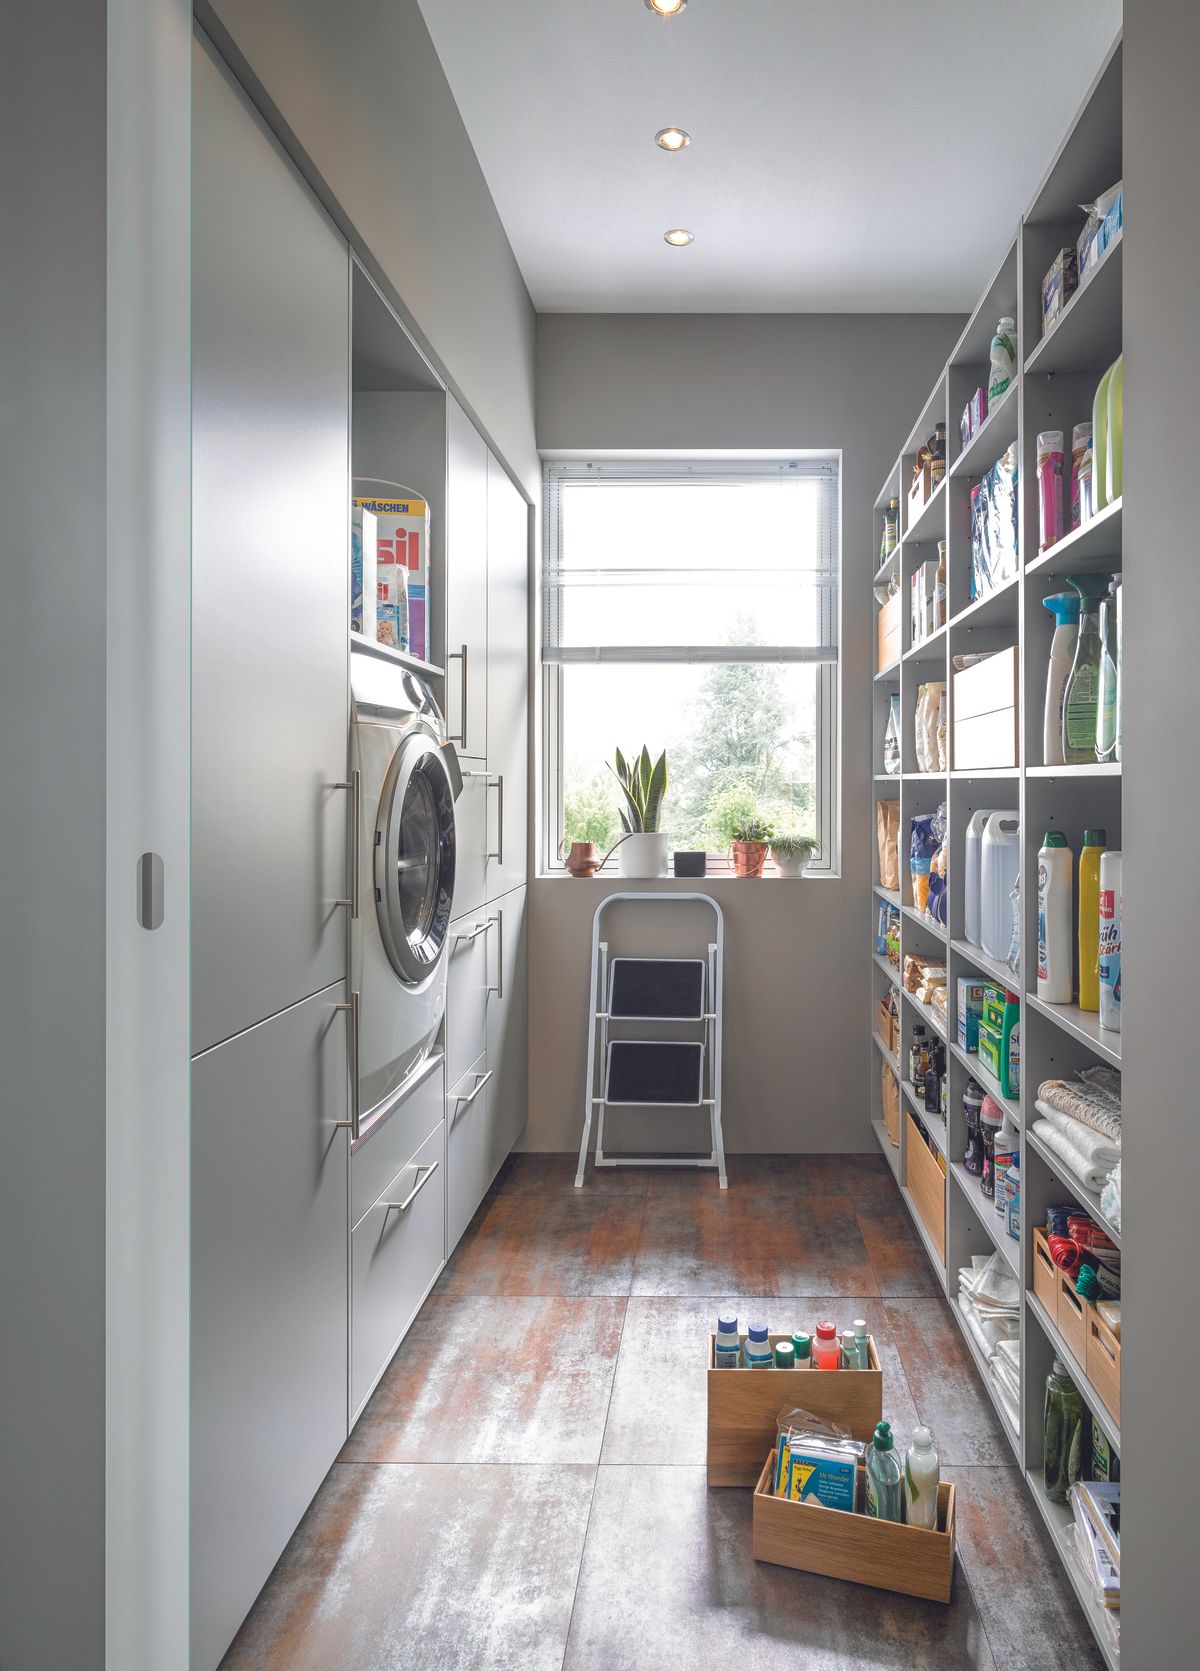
(414, 858)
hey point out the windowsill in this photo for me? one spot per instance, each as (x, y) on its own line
(687, 881)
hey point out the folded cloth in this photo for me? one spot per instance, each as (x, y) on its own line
(1090, 1176)
(1110, 1198)
(993, 1285)
(1095, 1146)
(1011, 1405)
(1093, 1097)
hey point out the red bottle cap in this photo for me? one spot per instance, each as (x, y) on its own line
(826, 1331)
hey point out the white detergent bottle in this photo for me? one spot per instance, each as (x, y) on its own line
(1110, 941)
(1001, 860)
(1055, 874)
(972, 871)
(1003, 359)
(922, 1475)
(1064, 606)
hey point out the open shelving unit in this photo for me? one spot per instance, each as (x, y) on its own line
(1054, 386)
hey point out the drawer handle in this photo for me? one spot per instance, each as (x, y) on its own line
(498, 989)
(481, 1080)
(354, 784)
(403, 1206)
(461, 655)
(497, 783)
(465, 936)
(354, 1008)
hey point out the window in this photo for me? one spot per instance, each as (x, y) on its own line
(692, 608)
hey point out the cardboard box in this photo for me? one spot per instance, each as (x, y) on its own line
(363, 584)
(402, 544)
(919, 493)
(986, 713)
(887, 634)
(1058, 286)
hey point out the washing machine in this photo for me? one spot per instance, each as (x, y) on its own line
(408, 781)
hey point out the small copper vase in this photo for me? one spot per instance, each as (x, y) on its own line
(583, 859)
(748, 857)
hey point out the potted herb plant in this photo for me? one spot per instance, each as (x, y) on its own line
(792, 853)
(642, 850)
(749, 839)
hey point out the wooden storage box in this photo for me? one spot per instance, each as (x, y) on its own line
(890, 1096)
(887, 634)
(919, 493)
(1103, 1362)
(889, 1026)
(856, 1547)
(1045, 1274)
(744, 1404)
(986, 713)
(927, 1186)
(1071, 1317)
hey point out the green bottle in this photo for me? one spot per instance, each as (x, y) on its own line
(1064, 1433)
(1082, 703)
(883, 1476)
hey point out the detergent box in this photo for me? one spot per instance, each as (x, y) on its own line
(402, 569)
(363, 584)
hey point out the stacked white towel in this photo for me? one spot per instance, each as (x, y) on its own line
(989, 1298)
(1083, 1151)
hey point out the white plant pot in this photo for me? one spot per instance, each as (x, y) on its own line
(643, 857)
(790, 867)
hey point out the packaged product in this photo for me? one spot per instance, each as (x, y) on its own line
(816, 1461)
(1058, 286)
(924, 621)
(891, 737)
(1105, 218)
(994, 525)
(887, 835)
(969, 1009)
(922, 846)
(363, 595)
(402, 547)
(938, 866)
(943, 733)
(925, 721)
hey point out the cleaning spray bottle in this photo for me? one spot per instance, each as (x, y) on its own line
(1064, 606)
(1082, 702)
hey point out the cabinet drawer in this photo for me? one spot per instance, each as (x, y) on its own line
(469, 974)
(927, 1185)
(395, 1253)
(383, 1149)
(466, 1149)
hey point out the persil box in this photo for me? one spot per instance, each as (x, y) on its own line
(402, 542)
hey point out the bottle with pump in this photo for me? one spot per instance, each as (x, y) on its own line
(1055, 876)
(883, 1476)
(1082, 702)
(1094, 843)
(1064, 606)
(1003, 359)
(922, 1473)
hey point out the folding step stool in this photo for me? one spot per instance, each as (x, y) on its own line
(648, 1072)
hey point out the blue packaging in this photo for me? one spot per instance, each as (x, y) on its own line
(825, 1477)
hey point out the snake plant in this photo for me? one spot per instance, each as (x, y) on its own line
(643, 784)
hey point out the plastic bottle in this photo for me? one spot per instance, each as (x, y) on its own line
(1081, 439)
(1100, 495)
(785, 1355)
(1114, 470)
(826, 1350)
(1064, 1433)
(1083, 687)
(891, 737)
(991, 1120)
(1094, 842)
(883, 1476)
(1005, 1148)
(891, 530)
(972, 871)
(803, 1346)
(862, 1343)
(999, 864)
(1064, 606)
(1110, 941)
(849, 1351)
(1050, 488)
(1107, 722)
(1003, 358)
(1087, 482)
(972, 1104)
(727, 1353)
(1012, 1222)
(758, 1354)
(1116, 590)
(1055, 877)
(922, 1475)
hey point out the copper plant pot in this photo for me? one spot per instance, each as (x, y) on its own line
(748, 857)
(583, 859)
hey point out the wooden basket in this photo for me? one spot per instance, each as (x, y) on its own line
(1103, 1363)
(927, 1186)
(882, 1553)
(744, 1404)
(891, 1105)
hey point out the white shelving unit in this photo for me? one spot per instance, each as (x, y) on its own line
(1054, 388)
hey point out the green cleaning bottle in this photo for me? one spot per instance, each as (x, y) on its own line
(1064, 1433)
(883, 1476)
(1082, 703)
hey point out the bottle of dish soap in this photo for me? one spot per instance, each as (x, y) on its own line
(1064, 606)
(1094, 843)
(921, 1477)
(883, 1476)
(1003, 358)
(1081, 707)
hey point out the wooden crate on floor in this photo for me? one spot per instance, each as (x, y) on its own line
(743, 1405)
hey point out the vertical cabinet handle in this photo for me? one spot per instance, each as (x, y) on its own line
(461, 738)
(354, 1010)
(498, 989)
(354, 784)
(497, 783)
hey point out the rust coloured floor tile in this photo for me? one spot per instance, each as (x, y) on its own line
(945, 1384)
(755, 1175)
(868, 1174)
(506, 1379)
(539, 1174)
(898, 1259)
(564, 1242)
(424, 1568)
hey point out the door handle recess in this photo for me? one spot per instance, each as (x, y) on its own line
(498, 989)
(497, 783)
(354, 1010)
(403, 1206)
(354, 784)
(461, 738)
(462, 1102)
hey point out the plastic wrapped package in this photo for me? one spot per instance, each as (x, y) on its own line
(887, 834)
(936, 902)
(816, 1462)
(922, 846)
(994, 525)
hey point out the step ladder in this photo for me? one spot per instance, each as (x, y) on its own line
(650, 1073)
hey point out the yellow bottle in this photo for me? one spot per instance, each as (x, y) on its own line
(1094, 842)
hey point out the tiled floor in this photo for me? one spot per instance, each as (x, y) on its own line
(562, 1352)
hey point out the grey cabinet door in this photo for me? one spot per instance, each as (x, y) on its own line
(508, 1033)
(466, 583)
(466, 1149)
(269, 1306)
(270, 572)
(474, 815)
(508, 680)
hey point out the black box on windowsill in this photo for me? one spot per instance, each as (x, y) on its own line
(691, 864)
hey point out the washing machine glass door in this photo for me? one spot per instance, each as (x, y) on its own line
(414, 858)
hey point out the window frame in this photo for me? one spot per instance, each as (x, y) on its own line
(824, 466)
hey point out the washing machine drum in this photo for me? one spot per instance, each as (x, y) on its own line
(414, 858)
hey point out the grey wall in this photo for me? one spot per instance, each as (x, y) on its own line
(797, 1075)
(52, 904)
(362, 94)
(1160, 1170)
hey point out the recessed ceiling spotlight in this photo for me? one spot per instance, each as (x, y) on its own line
(666, 8)
(678, 236)
(672, 139)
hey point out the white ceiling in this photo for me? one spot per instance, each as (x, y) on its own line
(846, 155)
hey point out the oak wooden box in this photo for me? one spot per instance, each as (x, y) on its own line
(986, 711)
(890, 1099)
(927, 1186)
(744, 1405)
(889, 1025)
(887, 634)
(1072, 1316)
(1103, 1362)
(882, 1553)
(1045, 1274)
